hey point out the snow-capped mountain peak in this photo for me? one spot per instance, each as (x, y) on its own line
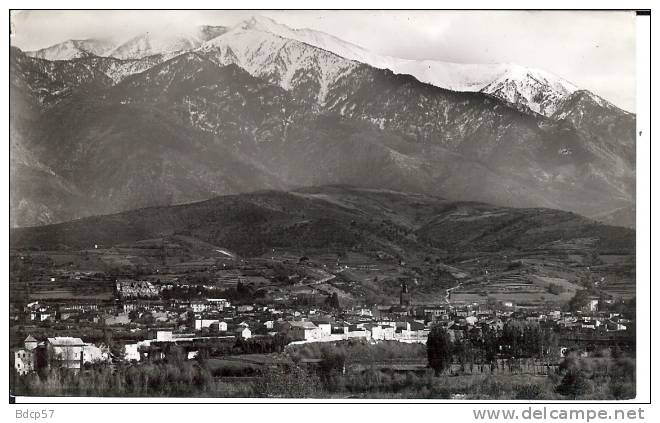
(164, 42)
(149, 44)
(74, 49)
(305, 35)
(262, 23)
(266, 48)
(526, 88)
(262, 47)
(529, 88)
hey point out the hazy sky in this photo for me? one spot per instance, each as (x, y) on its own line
(594, 50)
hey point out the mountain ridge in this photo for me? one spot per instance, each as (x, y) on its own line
(492, 79)
(74, 49)
(535, 91)
(283, 113)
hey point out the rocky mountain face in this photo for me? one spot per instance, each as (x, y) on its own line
(255, 107)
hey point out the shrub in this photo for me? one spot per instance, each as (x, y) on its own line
(621, 390)
(574, 384)
(294, 382)
(438, 348)
(528, 392)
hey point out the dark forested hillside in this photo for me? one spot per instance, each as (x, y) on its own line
(335, 218)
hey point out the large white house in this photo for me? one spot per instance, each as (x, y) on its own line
(62, 351)
(71, 353)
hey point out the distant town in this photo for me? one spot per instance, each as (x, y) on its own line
(226, 315)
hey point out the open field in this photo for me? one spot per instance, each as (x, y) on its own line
(522, 279)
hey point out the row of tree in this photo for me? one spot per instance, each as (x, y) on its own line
(518, 339)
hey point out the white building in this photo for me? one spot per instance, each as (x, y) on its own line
(199, 306)
(71, 353)
(23, 361)
(383, 333)
(325, 328)
(65, 352)
(132, 351)
(164, 336)
(205, 323)
(24, 358)
(243, 332)
(357, 332)
(592, 304)
(219, 303)
(470, 320)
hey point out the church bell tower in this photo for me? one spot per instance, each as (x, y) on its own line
(404, 298)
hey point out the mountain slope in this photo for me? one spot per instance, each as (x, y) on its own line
(127, 156)
(394, 132)
(329, 218)
(255, 108)
(336, 121)
(609, 133)
(47, 82)
(526, 157)
(120, 156)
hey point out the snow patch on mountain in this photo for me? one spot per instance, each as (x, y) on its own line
(280, 60)
(578, 103)
(118, 70)
(150, 44)
(73, 49)
(153, 43)
(138, 47)
(537, 90)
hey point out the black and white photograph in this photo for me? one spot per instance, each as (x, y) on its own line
(345, 205)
